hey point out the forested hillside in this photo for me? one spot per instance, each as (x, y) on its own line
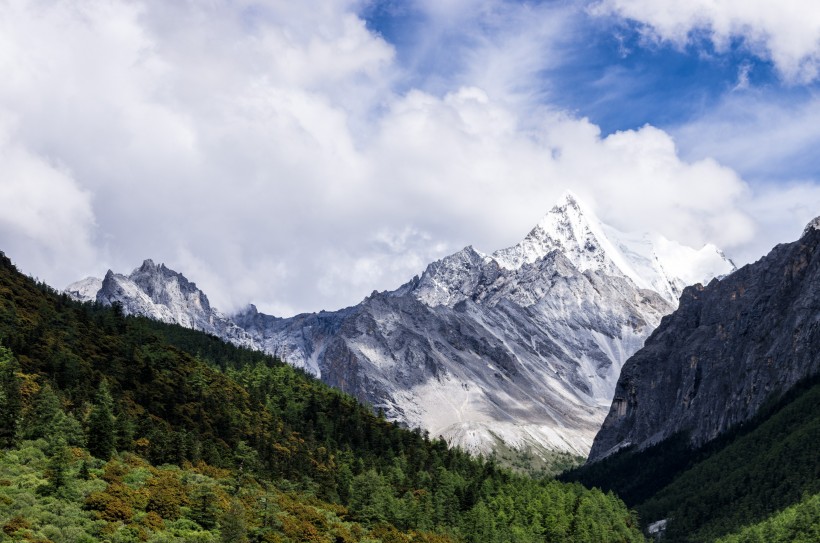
(116, 428)
(799, 523)
(741, 478)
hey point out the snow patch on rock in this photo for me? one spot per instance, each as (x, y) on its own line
(85, 290)
(814, 224)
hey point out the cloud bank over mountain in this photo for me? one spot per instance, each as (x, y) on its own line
(290, 154)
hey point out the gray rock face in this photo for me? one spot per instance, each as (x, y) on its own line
(477, 354)
(728, 347)
(522, 347)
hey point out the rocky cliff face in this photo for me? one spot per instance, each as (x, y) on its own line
(523, 346)
(727, 348)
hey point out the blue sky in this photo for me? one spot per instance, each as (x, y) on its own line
(612, 74)
(299, 155)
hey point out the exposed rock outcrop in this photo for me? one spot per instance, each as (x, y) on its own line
(727, 348)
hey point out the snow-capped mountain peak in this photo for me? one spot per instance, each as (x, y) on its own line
(650, 261)
(814, 224)
(571, 228)
(155, 291)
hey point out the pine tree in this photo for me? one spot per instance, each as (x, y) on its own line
(41, 420)
(124, 429)
(204, 510)
(101, 436)
(58, 466)
(371, 497)
(85, 471)
(10, 404)
(233, 528)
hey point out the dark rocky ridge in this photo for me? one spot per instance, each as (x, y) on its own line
(728, 348)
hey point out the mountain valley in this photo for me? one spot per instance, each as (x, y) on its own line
(710, 435)
(520, 349)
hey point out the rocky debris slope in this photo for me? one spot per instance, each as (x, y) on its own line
(729, 347)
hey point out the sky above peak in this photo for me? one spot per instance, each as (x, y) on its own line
(299, 155)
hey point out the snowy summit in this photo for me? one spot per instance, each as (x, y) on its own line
(650, 261)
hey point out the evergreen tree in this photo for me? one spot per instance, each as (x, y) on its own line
(371, 498)
(10, 404)
(101, 436)
(43, 417)
(69, 429)
(233, 528)
(58, 466)
(204, 510)
(85, 472)
(124, 429)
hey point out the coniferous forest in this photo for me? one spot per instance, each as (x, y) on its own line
(747, 477)
(120, 429)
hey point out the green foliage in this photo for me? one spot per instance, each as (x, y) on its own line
(166, 494)
(534, 461)
(101, 436)
(10, 400)
(57, 471)
(260, 450)
(371, 498)
(204, 508)
(638, 475)
(45, 418)
(799, 523)
(740, 478)
(232, 527)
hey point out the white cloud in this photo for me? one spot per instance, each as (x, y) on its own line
(782, 211)
(639, 183)
(761, 135)
(260, 149)
(787, 32)
(46, 221)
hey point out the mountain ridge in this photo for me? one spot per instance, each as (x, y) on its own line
(470, 350)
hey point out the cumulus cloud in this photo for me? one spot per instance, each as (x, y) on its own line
(786, 32)
(262, 149)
